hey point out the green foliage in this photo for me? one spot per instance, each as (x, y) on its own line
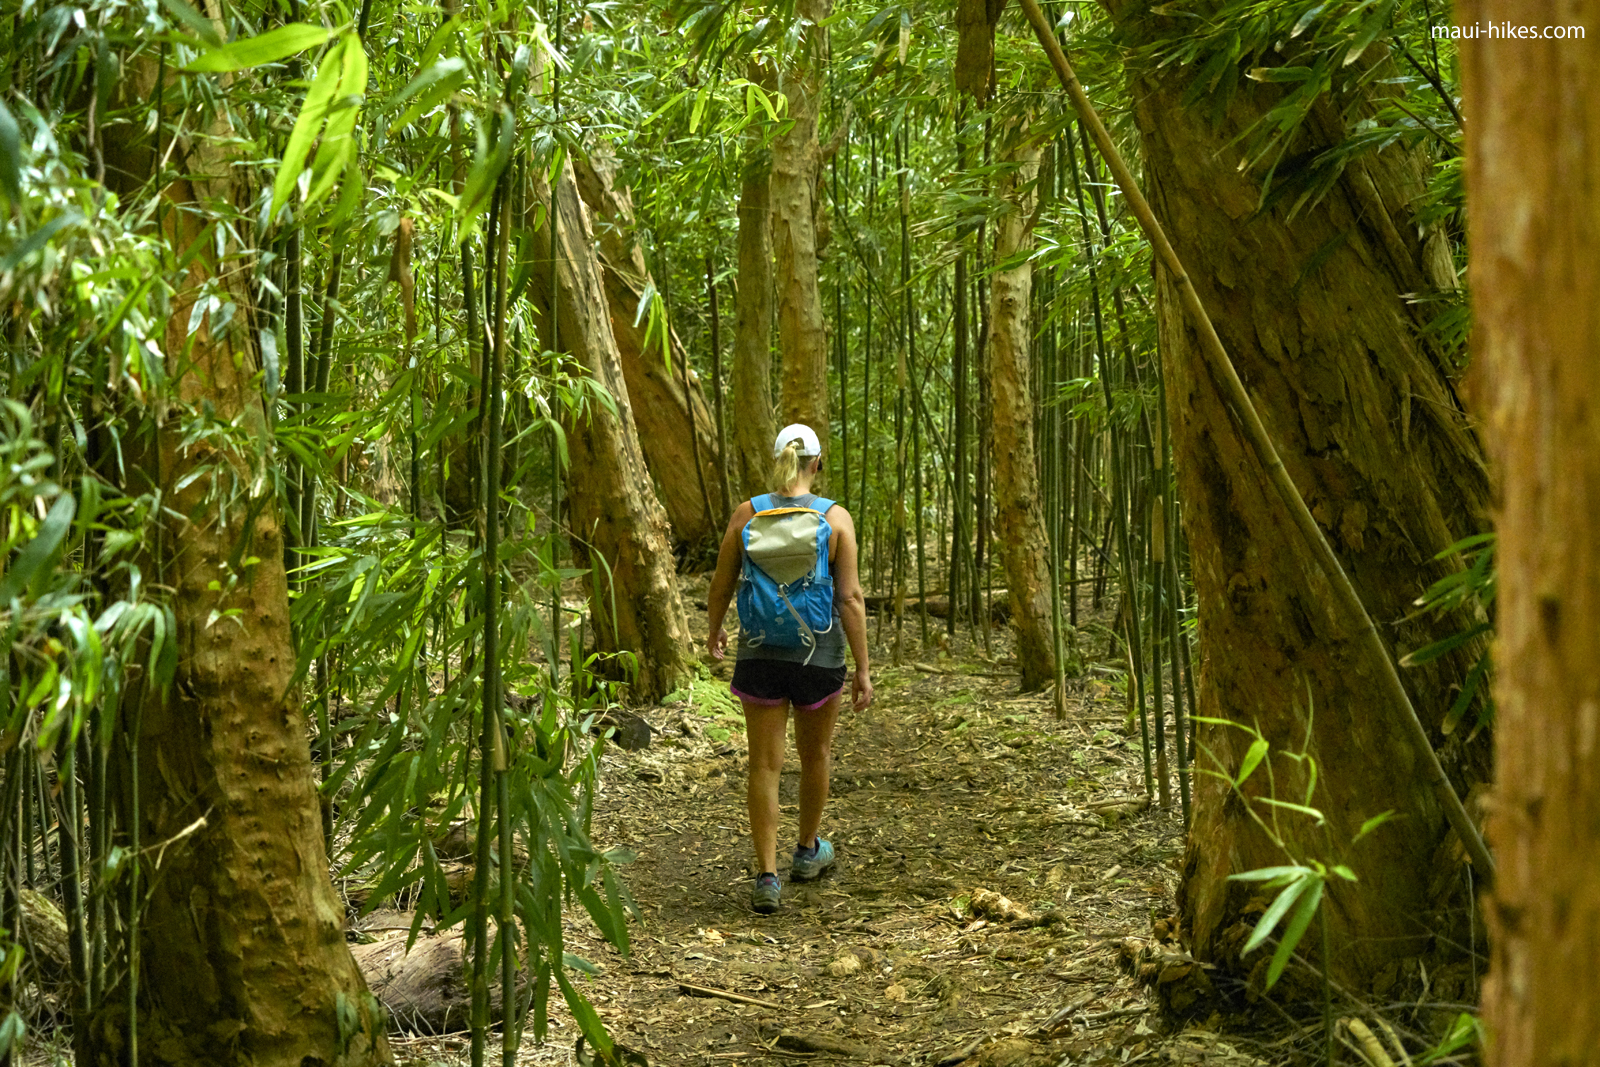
(1470, 589)
(1302, 883)
(1345, 54)
(330, 111)
(1465, 1032)
(351, 139)
(269, 47)
(707, 696)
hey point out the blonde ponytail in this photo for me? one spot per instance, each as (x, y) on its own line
(786, 468)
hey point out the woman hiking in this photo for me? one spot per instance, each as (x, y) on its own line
(792, 556)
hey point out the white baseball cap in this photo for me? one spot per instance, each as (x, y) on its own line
(797, 432)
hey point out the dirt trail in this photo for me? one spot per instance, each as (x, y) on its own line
(950, 783)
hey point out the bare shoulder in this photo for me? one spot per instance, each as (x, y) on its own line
(741, 515)
(840, 519)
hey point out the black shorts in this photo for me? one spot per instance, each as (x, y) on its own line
(773, 681)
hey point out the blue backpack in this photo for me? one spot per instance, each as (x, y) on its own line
(785, 590)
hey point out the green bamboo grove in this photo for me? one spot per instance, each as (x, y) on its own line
(372, 373)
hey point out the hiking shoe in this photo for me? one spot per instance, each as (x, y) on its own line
(809, 863)
(765, 893)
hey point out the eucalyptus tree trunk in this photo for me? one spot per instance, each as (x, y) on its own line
(753, 425)
(1535, 231)
(1018, 515)
(796, 171)
(1317, 316)
(619, 528)
(242, 958)
(662, 408)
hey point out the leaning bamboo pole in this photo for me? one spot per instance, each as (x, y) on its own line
(1266, 454)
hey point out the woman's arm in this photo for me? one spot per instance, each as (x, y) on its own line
(852, 604)
(720, 595)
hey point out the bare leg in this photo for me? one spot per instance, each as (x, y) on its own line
(813, 737)
(766, 729)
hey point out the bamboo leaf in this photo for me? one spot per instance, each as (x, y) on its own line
(33, 566)
(269, 47)
(319, 97)
(201, 26)
(1369, 31)
(1252, 759)
(1276, 911)
(1297, 930)
(428, 89)
(1372, 824)
(10, 156)
(1304, 21)
(1291, 806)
(1431, 652)
(1279, 74)
(37, 240)
(488, 163)
(1267, 874)
(699, 108)
(584, 1015)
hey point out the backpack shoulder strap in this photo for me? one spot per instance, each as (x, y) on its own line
(824, 565)
(762, 502)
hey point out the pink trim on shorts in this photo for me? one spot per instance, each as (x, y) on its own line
(766, 702)
(818, 704)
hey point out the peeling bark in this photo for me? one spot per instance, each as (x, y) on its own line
(1018, 515)
(661, 406)
(614, 511)
(796, 171)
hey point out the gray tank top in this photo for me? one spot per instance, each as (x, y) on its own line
(830, 643)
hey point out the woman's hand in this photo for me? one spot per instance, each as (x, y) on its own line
(717, 643)
(861, 691)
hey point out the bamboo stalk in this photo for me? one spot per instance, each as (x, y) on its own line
(1119, 465)
(68, 826)
(489, 742)
(1266, 454)
(494, 701)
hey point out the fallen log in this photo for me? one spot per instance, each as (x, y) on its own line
(795, 1041)
(425, 990)
(42, 931)
(939, 606)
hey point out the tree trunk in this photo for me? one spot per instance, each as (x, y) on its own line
(796, 168)
(615, 515)
(753, 425)
(1364, 414)
(241, 944)
(661, 408)
(973, 72)
(1533, 151)
(1023, 549)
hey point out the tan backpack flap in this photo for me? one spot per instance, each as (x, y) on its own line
(783, 542)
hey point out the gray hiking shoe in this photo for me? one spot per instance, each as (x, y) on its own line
(809, 863)
(765, 893)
